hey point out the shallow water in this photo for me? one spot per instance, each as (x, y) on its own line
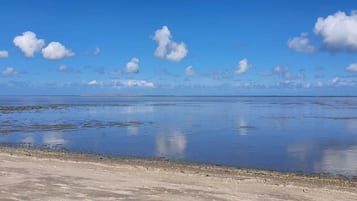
(304, 134)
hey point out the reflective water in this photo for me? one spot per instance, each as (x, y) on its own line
(307, 134)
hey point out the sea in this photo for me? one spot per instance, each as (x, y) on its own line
(310, 135)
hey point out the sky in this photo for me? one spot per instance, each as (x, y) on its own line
(216, 47)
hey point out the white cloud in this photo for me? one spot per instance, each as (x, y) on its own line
(96, 51)
(338, 31)
(4, 54)
(56, 50)
(9, 72)
(243, 66)
(189, 71)
(352, 67)
(301, 44)
(28, 43)
(93, 82)
(177, 51)
(162, 37)
(132, 66)
(167, 48)
(137, 83)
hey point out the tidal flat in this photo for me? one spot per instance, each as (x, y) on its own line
(308, 135)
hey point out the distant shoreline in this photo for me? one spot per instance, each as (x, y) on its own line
(203, 96)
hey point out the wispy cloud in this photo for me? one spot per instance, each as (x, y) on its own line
(137, 83)
(4, 54)
(93, 82)
(9, 72)
(96, 51)
(284, 73)
(66, 69)
(189, 71)
(352, 67)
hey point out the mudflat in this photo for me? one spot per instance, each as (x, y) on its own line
(28, 174)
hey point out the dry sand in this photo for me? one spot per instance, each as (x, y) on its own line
(42, 175)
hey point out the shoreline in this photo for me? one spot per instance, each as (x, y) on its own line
(63, 155)
(246, 184)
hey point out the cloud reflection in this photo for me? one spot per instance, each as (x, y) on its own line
(300, 151)
(171, 145)
(352, 125)
(28, 140)
(339, 161)
(243, 127)
(133, 130)
(139, 109)
(53, 139)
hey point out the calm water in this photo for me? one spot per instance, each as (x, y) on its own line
(305, 134)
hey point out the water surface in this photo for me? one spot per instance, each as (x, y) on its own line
(295, 134)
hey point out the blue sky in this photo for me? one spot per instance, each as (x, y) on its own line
(255, 47)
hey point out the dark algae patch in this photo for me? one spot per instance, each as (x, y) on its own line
(20, 128)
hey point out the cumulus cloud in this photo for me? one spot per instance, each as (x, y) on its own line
(167, 48)
(352, 67)
(243, 66)
(9, 71)
(4, 54)
(132, 66)
(137, 83)
(177, 51)
(28, 43)
(55, 51)
(338, 31)
(301, 44)
(93, 82)
(189, 71)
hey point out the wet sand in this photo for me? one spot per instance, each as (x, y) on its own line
(44, 175)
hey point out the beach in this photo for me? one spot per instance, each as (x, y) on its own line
(28, 174)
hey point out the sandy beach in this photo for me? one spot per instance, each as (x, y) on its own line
(44, 175)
